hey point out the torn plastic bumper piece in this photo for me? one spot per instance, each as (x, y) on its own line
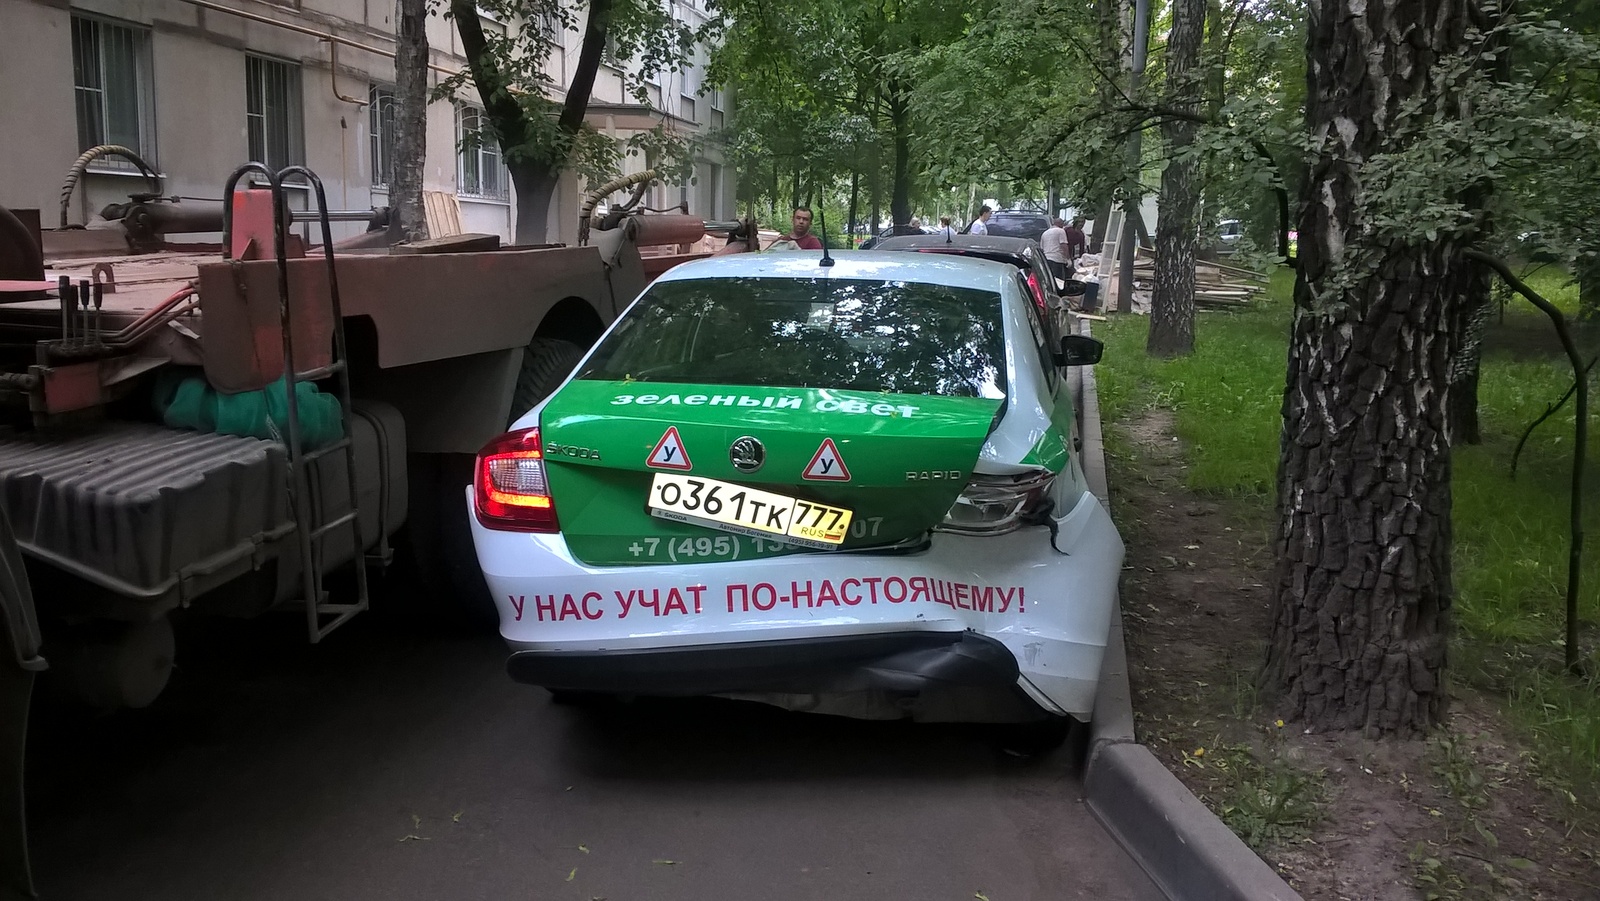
(895, 662)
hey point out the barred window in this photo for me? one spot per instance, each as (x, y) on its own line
(111, 87)
(272, 112)
(480, 170)
(380, 107)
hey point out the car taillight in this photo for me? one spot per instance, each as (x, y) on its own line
(509, 488)
(995, 504)
(1038, 292)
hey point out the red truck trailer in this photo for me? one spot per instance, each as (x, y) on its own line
(160, 404)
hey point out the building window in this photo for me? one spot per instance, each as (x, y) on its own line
(718, 110)
(686, 107)
(480, 171)
(111, 87)
(549, 25)
(380, 107)
(272, 113)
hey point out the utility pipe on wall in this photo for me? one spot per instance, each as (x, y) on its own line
(301, 29)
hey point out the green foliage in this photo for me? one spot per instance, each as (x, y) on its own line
(1227, 394)
(1260, 794)
(1507, 145)
(1273, 803)
(824, 89)
(641, 34)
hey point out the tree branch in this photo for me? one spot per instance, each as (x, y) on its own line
(576, 103)
(494, 89)
(1580, 441)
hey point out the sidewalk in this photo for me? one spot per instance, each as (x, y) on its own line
(1181, 845)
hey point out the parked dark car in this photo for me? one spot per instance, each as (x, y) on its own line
(893, 231)
(1018, 224)
(1022, 253)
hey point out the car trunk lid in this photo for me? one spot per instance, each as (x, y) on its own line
(896, 461)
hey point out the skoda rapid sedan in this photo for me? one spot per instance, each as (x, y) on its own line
(842, 484)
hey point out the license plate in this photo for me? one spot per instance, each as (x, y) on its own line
(747, 511)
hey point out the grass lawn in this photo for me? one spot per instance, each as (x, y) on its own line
(1510, 554)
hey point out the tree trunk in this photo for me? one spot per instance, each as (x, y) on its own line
(1476, 284)
(875, 187)
(1361, 591)
(535, 189)
(410, 118)
(900, 122)
(1110, 15)
(535, 170)
(1216, 46)
(1479, 301)
(855, 203)
(1589, 292)
(1102, 217)
(1172, 294)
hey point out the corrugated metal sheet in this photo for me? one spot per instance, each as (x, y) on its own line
(138, 502)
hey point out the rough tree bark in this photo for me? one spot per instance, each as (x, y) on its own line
(1478, 307)
(900, 126)
(410, 117)
(1172, 293)
(1361, 606)
(535, 172)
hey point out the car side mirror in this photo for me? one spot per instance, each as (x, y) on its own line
(1079, 350)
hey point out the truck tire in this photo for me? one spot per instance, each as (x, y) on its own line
(446, 586)
(436, 583)
(545, 364)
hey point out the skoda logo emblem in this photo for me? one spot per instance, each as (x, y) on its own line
(747, 454)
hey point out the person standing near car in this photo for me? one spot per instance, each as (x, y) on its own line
(800, 236)
(945, 230)
(1077, 242)
(1054, 244)
(980, 225)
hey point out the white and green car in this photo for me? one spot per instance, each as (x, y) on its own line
(848, 488)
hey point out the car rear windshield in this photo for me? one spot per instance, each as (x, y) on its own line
(856, 334)
(1018, 225)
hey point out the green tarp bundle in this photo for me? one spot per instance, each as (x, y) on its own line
(187, 401)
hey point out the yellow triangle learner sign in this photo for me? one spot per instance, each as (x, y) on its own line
(826, 465)
(669, 453)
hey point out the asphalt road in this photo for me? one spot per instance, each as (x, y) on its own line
(388, 764)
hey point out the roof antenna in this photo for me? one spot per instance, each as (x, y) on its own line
(949, 233)
(823, 221)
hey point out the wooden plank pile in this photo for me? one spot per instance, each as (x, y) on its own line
(1217, 286)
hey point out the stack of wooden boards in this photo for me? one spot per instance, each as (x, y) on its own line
(1217, 286)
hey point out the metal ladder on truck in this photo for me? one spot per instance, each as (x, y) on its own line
(322, 615)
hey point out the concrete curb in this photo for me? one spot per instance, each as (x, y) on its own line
(1180, 844)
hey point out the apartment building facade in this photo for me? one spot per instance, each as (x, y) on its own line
(197, 87)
